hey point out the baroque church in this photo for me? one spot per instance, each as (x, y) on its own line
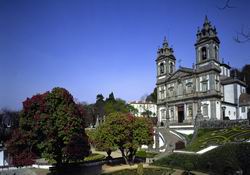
(207, 87)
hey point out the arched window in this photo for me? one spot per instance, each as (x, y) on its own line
(204, 53)
(171, 68)
(161, 68)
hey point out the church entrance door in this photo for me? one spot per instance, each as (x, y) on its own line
(180, 113)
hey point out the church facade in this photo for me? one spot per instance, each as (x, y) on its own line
(207, 86)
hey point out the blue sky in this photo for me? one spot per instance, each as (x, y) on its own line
(103, 46)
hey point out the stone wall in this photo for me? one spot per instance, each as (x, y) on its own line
(223, 123)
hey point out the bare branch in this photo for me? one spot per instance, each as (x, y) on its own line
(243, 36)
(227, 5)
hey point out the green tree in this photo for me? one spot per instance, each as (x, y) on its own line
(124, 132)
(147, 113)
(152, 97)
(117, 105)
(51, 125)
(99, 108)
(242, 74)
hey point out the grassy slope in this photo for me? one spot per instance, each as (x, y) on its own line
(207, 137)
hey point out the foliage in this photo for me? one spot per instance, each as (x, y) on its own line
(153, 96)
(145, 154)
(89, 114)
(207, 137)
(229, 156)
(124, 132)
(8, 123)
(146, 113)
(51, 125)
(103, 107)
(243, 75)
(93, 157)
(115, 105)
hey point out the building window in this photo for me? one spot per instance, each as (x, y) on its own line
(162, 68)
(243, 109)
(189, 87)
(163, 114)
(162, 92)
(171, 69)
(205, 109)
(215, 52)
(180, 89)
(190, 111)
(204, 86)
(204, 53)
(172, 113)
(171, 91)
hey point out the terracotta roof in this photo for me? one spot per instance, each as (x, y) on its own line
(244, 99)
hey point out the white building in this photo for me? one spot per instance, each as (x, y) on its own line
(144, 108)
(207, 86)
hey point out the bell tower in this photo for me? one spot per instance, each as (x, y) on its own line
(165, 61)
(207, 46)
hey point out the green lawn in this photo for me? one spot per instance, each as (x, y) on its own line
(207, 137)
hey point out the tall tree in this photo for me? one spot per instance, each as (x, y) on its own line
(99, 108)
(152, 97)
(242, 74)
(51, 125)
(9, 120)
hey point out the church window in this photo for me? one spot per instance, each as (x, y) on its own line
(162, 92)
(243, 109)
(190, 111)
(205, 109)
(189, 87)
(204, 53)
(171, 91)
(180, 89)
(204, 86)
(171, 70)
(162, 68)
(163, 114)
(172, 113)
(215, 52)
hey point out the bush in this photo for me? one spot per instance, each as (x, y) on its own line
(94, 156)
(230, 156)
(145, 154)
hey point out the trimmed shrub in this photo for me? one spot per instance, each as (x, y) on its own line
(233, 157)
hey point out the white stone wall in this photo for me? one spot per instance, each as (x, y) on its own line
(142, 107)
(229, 93)
(243, 115)
(218, 110)
(1, 158)
(230, 112)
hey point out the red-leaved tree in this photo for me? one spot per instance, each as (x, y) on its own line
(51, 126)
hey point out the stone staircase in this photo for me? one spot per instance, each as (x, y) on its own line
(166, 139)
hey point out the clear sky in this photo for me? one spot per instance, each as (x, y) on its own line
(100, 46)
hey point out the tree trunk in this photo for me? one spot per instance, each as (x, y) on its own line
(124, 156)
